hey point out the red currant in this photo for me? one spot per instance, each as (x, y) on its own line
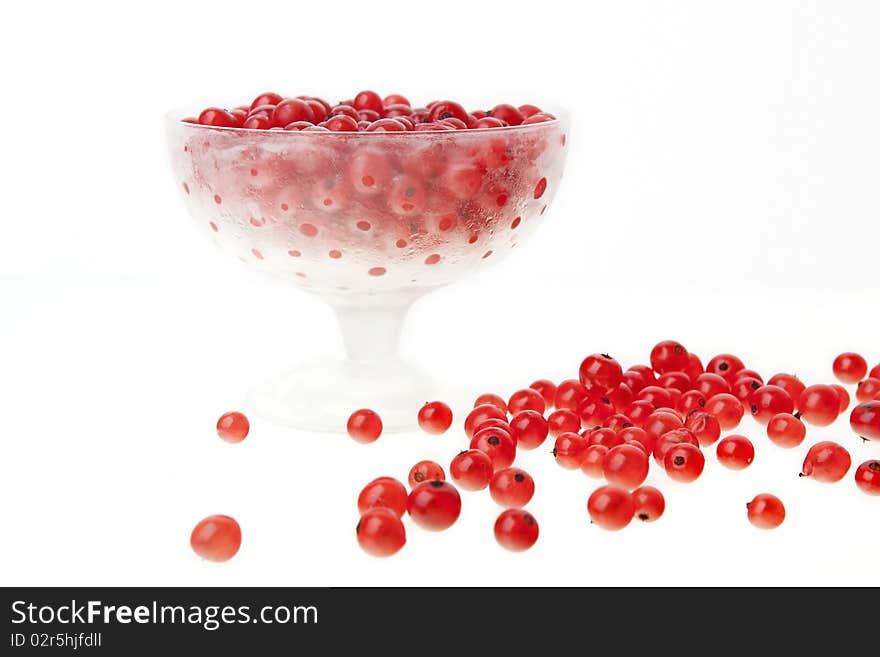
(725, 365)
(694, 367)
(380, 532)
(600, 371)
(638, 437)
(364, 426)
(620, 396)
(611, 507)
(850, 367)
(525, 400)
(661, 422)
(684, 462)
(659, 397)
(626, 465)
(692, 400)
(434, 505)
(827, 462)
(516, 530)
(512, 487)
(384, 492)
(498, 445)
(425, 471)
(290, 110)
(704, 426)
(766, 511)
(868, 390)
(819, 405)
(768, 401)
(727, 408)
(268, 98)
(233, 427)
(492, 400)
(570, 450)
(530, 429)
(744, 387)
(875, 373)
(842, 397)
(368, 100)
(711, 384)
(786, 430)
(216, 538)
(671, 439)
(865, 420)
(735, 452)
(868, 477)
(677, 380)
(563, 421)
(507, 113)
(788, 382)
(547, 389)
(569, 394)
(669, 356)
(219, 118)
(649, 503)
(435, 417)
(594, 412)
(639, 411)
(594, 456)
(617, 422)
(471, 469)
(603, 436)
(480, 414)
(447, 109)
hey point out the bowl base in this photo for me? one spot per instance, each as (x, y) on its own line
(321, 396)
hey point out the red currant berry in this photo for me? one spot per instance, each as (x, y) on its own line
(489, 122)
(233, 427)
(638, 437)
(492, 400)
(368, 100)
(425, 471)
(569, 394)
(819, 405)
(341, 123)
(669, 356)
(659, 397)
(649, 503)
(675, 380)
(386, 125)
(692, 400)
(648, 375)
(364, 426)
(875, 373)
(725, 365)
(594, 456)
(570, 450)
(727, 408)
(220, 118)
(268, 98)
(711, 384)
(258, 122)
(639, 412)
(383, 492)
(600, 371)
(216, 538)
(617, 422)
(563, 421)
(842, 396)
(434, 505)
(694, 367)
(865, 420)
(788, 382)
(290, 110)
(620, 396)
(611, 507)
(525, 400)
(868, 390)
(766, 511)
(547, 389)
(625, 465)
(380, 532)
(594, 412)
(868, 477)
(512, 487)
(603, 436)
(447, 109)
(850, 368)
(480, 414)
(516, 530)
(827, 462)
(744, 387)
(435, 417)
(662, 422)
(684, 462)
(671, 439)
(507, 113)
(530, 429)
(735, 452)
(498, 445)
(471, 469)
(786, 430)
(768, 401)
(704, 426)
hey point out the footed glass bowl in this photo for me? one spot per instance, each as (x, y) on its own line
(370, 221)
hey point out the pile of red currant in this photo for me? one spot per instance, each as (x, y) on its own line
(366, 112)
(608, 423)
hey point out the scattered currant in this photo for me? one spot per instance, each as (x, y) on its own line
(767, 401)
(669, 356)
(383, 492)
(611, 507)
(865, 420)
(480, 414)
(819, 405)
(639, 437)
(471, 469)
(594, 411)
(726, 365)
(766, 511)
(603, 436)
(569, 394)
(727, 408)
(684, 462)
(850, 367)
(868, 390)
(435, 417)
(649, 503)
(744, 387)
(704, 426)
(380, 532)
(626, 466)
(671, 439)
(868, 477)
(530, 429)
(676, 380)
(497, 444)
(735, 452)
(492, 400)
(425, 471)
(547, 390)
(512, 487)
(364, 426)
(788, 382)
(216, 538)
(526, 400)
(563, 421)
(434, 505)
(786, 430)
(827, 462)
(711, 384)
(233, 427)
(842, 397)
(570, 450)
(601, 372)
(594, 457)
(662, 422)
(516, 530)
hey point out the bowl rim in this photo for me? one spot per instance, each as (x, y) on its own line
(175, 117)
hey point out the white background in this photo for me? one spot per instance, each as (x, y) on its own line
(721, 189)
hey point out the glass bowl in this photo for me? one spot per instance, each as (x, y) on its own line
(370, 221)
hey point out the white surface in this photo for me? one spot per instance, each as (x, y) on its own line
(721, 189)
